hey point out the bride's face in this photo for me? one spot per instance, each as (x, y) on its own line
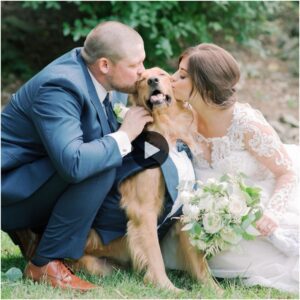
(181, 82)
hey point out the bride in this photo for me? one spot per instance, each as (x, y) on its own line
(233, 137)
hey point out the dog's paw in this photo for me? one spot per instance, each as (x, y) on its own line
(176, 290)
(220, 291)
(92, 265)
(103, 267)
(162, 282)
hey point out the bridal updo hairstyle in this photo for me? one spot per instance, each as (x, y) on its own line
(214, 73)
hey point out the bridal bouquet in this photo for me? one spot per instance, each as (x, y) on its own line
(217, 213)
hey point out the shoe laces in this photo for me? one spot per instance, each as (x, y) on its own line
(64, 270)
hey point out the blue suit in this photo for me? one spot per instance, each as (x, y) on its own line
(55, 153)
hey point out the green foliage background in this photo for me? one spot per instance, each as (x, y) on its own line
(36, 32)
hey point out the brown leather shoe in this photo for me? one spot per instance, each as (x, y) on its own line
(27, 241)
(57, 274)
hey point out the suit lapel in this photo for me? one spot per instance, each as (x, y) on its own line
(94, 98)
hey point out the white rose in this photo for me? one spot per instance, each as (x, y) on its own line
(212, 223)
(185, 197)
(206, 202)
(221, 203)
(211, 181)
(123, 111)
(230, 236)
(199, 193)
(120, 111)
(191, 211)
(237, 207)
(236, 192)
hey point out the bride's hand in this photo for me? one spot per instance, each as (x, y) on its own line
(266, 225)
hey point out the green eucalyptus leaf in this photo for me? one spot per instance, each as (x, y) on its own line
(196, 229)
(225, 178)
(248, 221)
(238, 229)
(258, 214)
(248, 237)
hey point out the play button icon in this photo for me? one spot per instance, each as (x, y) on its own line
(150, 149)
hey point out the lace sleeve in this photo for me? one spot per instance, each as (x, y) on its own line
(263, 143)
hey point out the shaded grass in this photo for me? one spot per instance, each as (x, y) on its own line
(122, 284)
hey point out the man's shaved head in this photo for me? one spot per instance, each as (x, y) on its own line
(111, 40)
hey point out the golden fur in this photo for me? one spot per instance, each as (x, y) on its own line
(143, 197)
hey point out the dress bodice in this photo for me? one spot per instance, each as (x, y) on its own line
(252, 147)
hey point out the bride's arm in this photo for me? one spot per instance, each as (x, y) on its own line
(263, 143)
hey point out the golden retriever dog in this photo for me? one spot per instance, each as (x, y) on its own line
(173, 120)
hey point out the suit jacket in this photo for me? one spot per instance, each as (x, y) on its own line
(55, 123)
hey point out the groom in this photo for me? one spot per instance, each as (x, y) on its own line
(61, 143)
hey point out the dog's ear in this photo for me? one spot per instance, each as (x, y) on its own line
(132, 99)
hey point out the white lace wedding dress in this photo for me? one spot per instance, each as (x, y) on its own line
(251, 146)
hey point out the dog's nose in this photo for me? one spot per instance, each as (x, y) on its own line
(153, 81)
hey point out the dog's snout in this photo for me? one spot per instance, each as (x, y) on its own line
(153, 81)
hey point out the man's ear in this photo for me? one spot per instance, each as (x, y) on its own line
(132, 99)
(103, 65)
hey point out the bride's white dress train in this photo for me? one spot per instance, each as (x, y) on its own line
(251, 146)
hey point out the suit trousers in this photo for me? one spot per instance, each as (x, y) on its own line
(65, 211)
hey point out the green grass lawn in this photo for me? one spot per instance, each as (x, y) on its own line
(123, 284)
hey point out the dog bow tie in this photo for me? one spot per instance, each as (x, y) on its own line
(182, 146)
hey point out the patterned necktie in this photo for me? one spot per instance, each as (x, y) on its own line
(112, 121)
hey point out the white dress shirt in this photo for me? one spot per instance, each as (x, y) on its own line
(120, 137)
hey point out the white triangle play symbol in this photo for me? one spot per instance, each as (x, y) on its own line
(150, 150)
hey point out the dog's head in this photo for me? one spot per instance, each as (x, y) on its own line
(154, 90)
(171, 118)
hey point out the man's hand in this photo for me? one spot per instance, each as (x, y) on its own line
(134, 122)
(266, 225)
